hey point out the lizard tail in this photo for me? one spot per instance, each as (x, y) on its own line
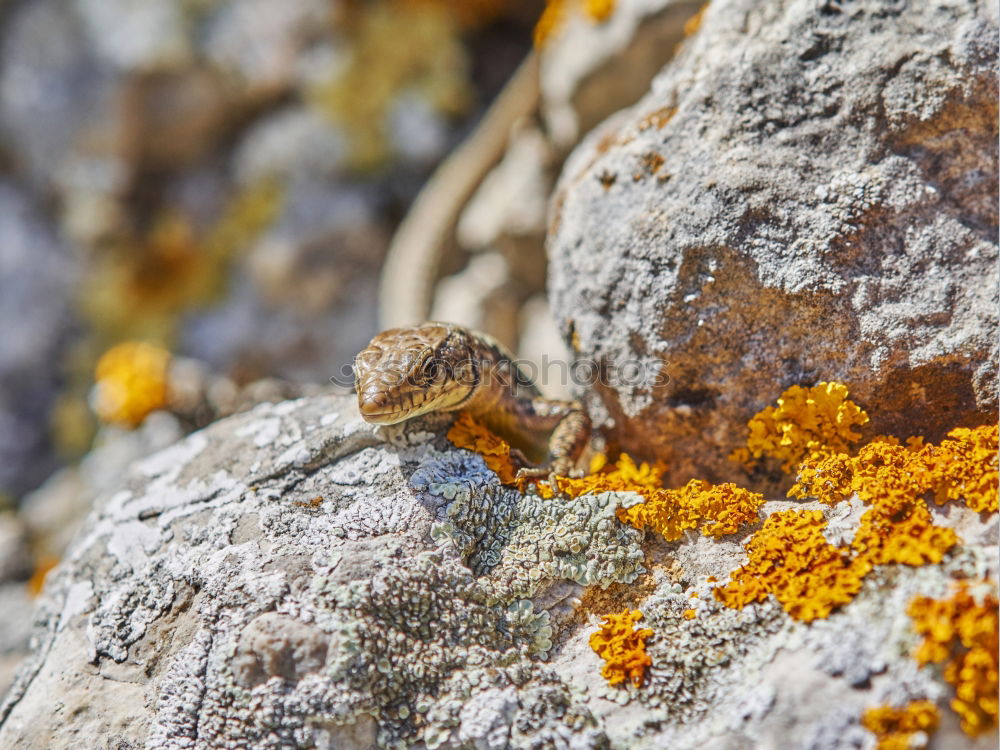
(414, 256)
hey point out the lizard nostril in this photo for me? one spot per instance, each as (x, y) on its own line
(371, 402)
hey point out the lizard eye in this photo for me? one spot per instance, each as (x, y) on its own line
(432, 370)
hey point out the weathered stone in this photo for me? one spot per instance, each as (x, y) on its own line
(294, 577)
(808, 193)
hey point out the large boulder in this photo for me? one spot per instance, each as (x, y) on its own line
(293, 577)
(807, 193)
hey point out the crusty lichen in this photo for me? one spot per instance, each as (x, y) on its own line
(962, 631)
(790, 557)
(717, 509)
(906, 728)
(517, 543)
(622, 647)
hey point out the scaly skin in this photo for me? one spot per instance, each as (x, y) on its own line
(406, 372)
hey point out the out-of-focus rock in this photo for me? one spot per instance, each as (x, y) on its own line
(417, 131)
(290, 143)
(808, 193)
(513, 197)
(588, 69)
(50, 84)
(15, 557)
(294, 577)
(260, 43)
(303, 300)
(471, 298)
(36, 275)
(137, 35)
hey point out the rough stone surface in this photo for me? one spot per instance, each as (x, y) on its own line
(808, 192)
(293, 577)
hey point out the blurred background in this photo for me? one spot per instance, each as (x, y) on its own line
(200, 201)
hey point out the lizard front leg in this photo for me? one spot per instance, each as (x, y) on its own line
(570, 430)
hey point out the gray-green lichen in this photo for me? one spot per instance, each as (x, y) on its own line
(516, 543)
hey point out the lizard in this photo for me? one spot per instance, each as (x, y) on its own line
(406, 372)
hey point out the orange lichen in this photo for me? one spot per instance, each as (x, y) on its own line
(962, 632)
(689, 614)
(791, 560)
(894, 479)
(624, 475)
(467, 433)
(899, 728)
(622, 647)
(806, 423)
(902, 533)
(672, 512)
(554, 15)
(658, 118)
(789, 557)
(43, 566)
(963, 467)
(131, 382)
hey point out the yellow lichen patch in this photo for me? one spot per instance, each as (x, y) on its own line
(689, 614)
(554, 15)
(805, 423)
(903, 533)
(624, 475)
(671, 512)
(791, 560)
(963, 467)
(892, 478)
(467, 433)
(622, 647)
(131, 382)
(900, 728)
(962, 632)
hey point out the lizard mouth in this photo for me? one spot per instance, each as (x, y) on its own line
(375, 408)
(384, 417)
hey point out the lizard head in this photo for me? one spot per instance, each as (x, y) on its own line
(406, 372)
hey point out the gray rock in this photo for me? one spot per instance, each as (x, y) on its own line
(808, 193)
(294, 577)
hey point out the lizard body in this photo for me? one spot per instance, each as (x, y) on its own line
(406, 372)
